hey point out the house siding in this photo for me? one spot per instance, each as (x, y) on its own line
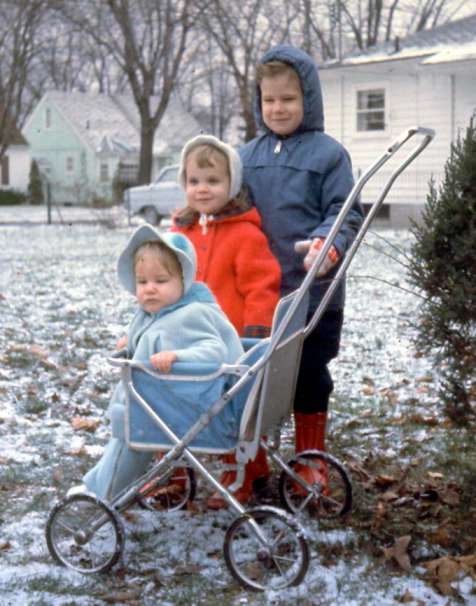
(51, 146)
(424, 97)
(18, 168)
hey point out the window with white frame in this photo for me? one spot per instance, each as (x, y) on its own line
(69, 164)
(371, 110)
(104, 171)
(48, 118)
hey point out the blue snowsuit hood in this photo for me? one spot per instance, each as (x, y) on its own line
(299, 182)
(306, 69)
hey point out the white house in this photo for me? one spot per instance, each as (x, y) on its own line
(79, 139)
(426, 79)
(15, 164)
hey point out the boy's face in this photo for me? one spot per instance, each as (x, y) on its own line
(156, 287)
(282, 103)
(207, 188)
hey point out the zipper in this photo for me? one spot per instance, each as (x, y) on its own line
(277, 149)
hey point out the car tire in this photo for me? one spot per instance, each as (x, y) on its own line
(151, 215)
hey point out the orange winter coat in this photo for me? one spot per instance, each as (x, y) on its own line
(235, 261)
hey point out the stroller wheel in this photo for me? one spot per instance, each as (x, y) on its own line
(276, 559)
(329, 497)
(172, 495)
(85, 534)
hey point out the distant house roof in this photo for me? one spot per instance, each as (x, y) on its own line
(453, 41)
(112, 124)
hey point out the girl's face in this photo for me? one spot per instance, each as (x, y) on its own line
(282, 105)
(156, 287)
(207, 189)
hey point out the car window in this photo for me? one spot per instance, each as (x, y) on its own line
(169, 174)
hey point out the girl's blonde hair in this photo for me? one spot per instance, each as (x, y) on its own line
(163, 253)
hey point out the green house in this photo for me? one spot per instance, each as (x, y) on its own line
(80, 141)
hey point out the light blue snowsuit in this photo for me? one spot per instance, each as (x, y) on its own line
(194, 327)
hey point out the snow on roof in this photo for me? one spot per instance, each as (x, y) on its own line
(108, 123)
(453, 41)
(466, 52)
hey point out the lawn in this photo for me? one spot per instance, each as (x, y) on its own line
(411, 537)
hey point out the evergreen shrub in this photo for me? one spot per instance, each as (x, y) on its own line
(10, 197)
(35, 185)
(443, 265)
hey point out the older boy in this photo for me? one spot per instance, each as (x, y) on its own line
(299, 178)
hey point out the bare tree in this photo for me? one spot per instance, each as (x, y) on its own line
(206, 86)
(20, 21)
(147, 40)
(336, 26)
(243, 32)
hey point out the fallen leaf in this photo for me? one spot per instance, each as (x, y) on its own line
(443, 571)
(450, 497)
(185, 569)
(424, 379)
(441, 537)
(400, 552)
(384, 480)
(407, 597)
(434, 475)
(85, 423)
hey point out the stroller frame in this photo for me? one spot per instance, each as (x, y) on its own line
(275, 537)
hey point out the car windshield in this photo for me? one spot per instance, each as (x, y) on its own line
(169, 174)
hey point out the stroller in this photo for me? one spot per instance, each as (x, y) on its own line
(236, 408)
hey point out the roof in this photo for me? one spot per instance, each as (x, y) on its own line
(453, 41)
(112, 124)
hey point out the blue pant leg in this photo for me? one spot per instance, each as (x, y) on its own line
(314, 383)
(118, 467)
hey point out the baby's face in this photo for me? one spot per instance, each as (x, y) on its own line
(156, 287)
(282, 105)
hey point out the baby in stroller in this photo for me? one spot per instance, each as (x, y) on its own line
(177, 320)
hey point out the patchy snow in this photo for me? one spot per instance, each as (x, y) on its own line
(62, 312)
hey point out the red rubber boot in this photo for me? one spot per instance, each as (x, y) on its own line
(254, 470)
(310, 435)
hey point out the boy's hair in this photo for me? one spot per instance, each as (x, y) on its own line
(273, 69)
(204, 156)
(164, 254)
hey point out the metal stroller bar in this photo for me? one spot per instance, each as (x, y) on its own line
(428, 134)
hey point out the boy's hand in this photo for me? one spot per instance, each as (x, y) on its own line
(122, 343)
(163, 360)
(312, 248)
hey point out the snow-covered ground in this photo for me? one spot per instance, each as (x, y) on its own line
(61, 314)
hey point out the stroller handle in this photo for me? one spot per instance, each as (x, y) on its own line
(427, 135)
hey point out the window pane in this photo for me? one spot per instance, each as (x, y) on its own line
(371, 99)
(104, 172)
(370, 121)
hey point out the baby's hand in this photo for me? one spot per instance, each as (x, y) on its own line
(163, 360)
(122, 343)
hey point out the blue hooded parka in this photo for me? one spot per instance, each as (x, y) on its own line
(298, 183)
